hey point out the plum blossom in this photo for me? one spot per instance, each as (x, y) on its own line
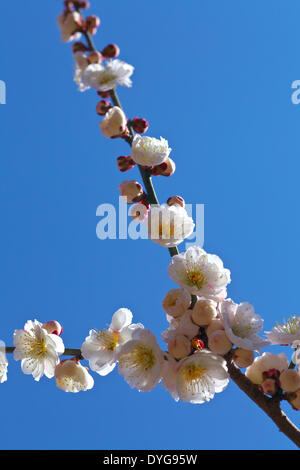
(37, 349)
(181, 326)
(176, 302)
(71, 376)
(196, 378)
(285, 333)
(141, 360)
(114, 123)
(200, 273)
(101, 347)
(148, 151)
(169, 225)
(3, 363)
(242, 324)
(69, 23)
(266, 365)
(103, 78)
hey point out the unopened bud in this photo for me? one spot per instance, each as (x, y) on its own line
(243, 357)
(125, 163)
(197, 343)
(179, 347)
(79, 46)
(219, 343)
(166, 168)
(53, 327)
(103, 94)
(289, 380)
(139, 212)
(269, 387)
(114, 124)
(176, 201)
(204, 312)
(102, 107)
(131, 191)
(139, 125)
(111, 51)
(294, 399)
(83, 5)
(176, 302)
(91, 24)
(95, 57)
(216, 324)
(81, 59)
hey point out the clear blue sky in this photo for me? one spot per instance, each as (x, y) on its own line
(214, 78)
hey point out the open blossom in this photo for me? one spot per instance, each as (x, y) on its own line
(267, 366)
(114, 123)
(200, 273)
(106, 78)
(242, 324)
(285, 333)
(69, 23)
(169, 225)
(71, 376)
(101, 347)
(37, 349)
(3, 363)
(141, 360)
(196, 378)
(148, 151)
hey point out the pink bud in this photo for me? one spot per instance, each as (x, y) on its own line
(139, 125)
(95, 57)
(204, 312)
(79, 46)
(91, 24)
(103, 94)
(102, 107)
(243, 357)
(166, 168)
(179, 347)
(53, 327)
(219, 343)
(131, 191)
(125, 163)
(111, 51)
(176, 201)
(81, 4)
(269, 387)
(197, 343)
(289, 380)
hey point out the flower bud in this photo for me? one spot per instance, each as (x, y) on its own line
(167, 168)
(111, 51)
(219, 343)
(131, 191)
(204, 312)
(243, 357)
(197, 343)
(294, 400)
(125, 163)
(289, 380)
(95, 57)
(269, 387)
(102, 107)
(83, 5)
(91, 24)
(79, 46)
(176, 302)
(114, 124)
(81, 59)
(216, 324)
(179, 347)
(139, 212)
(176, 201)
(139, 125)
(69, 23)
(71, 376)
(103, 94)
(53, 327)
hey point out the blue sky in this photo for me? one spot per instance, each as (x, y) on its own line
(214, 78)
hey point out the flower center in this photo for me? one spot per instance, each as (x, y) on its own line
(108, 339)
(291, 325)
(141, 357)
(243, 331)
(35, 347)
(193, 372)
(106, 77)
(195, 278)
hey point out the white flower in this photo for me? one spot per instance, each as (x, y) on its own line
(101, 347)
(196, 378)
(176, 302)
(268, 362)
(200, 273)
(169, 225)
(106, 78)
(71, 376)
(37, 349)
(141, 360)
(68, 23)
(3, 363)
(242, 324)
(114, 123)
(285, 333)
(148, 151)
